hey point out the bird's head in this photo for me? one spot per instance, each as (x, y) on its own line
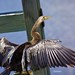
(42, 18)
(35, 35)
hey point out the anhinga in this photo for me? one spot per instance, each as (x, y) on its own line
(44, 53)
(39, 53)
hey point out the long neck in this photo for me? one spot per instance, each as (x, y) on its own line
(35, 35)
(35, 26)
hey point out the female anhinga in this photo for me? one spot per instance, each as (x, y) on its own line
(44, 53)
(39, 53)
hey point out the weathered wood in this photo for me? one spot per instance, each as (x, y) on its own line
(32, 11)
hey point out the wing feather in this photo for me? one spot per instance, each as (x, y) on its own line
(49, 60)
(50, 53)
(49, 56)
(59, 59)
(70, 55)
(52, 59)
(55, 59)
(63, 57)
(68, 58)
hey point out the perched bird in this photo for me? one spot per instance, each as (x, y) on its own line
(39, 53)
(46, 53)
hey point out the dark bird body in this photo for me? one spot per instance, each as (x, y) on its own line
(17, 57)
(39, 53)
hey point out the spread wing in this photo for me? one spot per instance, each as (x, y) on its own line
(6, 50)
(50, 53)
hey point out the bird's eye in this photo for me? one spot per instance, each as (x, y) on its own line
(44, 17)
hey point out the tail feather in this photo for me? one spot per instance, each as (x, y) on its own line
(6, 72)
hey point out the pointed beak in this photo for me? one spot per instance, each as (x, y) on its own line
(47, 17)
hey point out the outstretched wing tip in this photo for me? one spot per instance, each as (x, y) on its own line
(51, 53)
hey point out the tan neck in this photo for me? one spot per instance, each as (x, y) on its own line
(35, 38)
(35, 35)
(35, 26)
